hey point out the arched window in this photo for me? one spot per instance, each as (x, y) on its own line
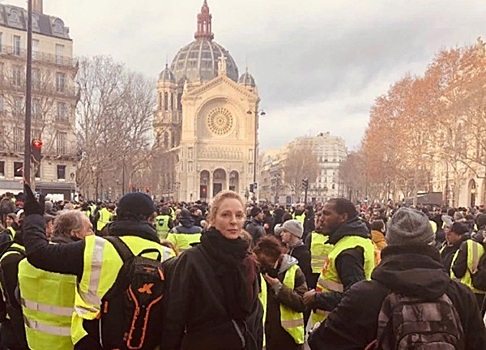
(166, 101)
(179, 101)
(166, 140)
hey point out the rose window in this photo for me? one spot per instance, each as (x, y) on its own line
(220, 121)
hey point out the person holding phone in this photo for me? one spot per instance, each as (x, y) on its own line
(282, 296)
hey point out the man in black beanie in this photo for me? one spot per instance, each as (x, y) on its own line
(410, 300)
(255, 225)
(96, 263)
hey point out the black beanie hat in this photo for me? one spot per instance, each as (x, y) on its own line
(136, 203)
(255, 211)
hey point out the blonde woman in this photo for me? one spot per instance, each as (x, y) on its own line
(212, 299)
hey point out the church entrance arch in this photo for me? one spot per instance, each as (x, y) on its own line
(234, 181)
(219, 181)
(203, 184)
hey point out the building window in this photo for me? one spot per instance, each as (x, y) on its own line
(61, 172)
(189, 167)
(250, 168)
(18, 169)
(166, 101)
(62, 111)
(61, 142)
(179, 101)
(2, 168)
(36, 109)
(17, 76)
(37, 172)
(35, 48)
(1, 41)
(2, 101)
(16, 45)
(18, 141)
(60, 81)
(59, 53)
(190, 153)
(18, 106)
(36, 78)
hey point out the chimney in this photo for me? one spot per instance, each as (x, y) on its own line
(37, 6)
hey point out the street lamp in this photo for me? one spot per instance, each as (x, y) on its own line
(257, 113)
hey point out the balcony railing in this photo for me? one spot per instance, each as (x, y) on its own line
(37, 56)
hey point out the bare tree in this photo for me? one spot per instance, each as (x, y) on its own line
(114, 124)
(301, 163)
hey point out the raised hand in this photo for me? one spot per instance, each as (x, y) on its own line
(31, 204)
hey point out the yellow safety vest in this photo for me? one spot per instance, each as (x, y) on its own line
(162, 225)
(291, 321)
(183, 241)
(433, 224)
(263, 300)
(474, 252)
(104, 219)
(319, 250)
(47, 304)
(10, 251)
(12, 231)
(329, 280)
(300, 218)
(101, 264)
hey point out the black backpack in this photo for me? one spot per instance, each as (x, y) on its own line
(478, 277)
(406, 323)
(131, 315)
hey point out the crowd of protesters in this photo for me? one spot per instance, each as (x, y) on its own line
(248, 276)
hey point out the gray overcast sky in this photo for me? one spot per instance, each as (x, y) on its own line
(319, 64)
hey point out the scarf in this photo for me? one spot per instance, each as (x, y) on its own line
(235, 269)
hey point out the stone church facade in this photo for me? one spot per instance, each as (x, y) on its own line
(207, 121)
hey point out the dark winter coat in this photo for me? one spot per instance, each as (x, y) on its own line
(302, 254)
(255, 229)
(448, 251)
(349, 264)
(412, 271)
(196, 314)
(277, 338)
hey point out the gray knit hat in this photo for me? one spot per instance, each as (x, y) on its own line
(294, 227)
(409, 227)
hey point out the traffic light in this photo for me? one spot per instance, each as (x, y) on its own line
(36, 150)
(252, 187)
(305, 183)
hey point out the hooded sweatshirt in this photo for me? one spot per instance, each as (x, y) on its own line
(276, 337)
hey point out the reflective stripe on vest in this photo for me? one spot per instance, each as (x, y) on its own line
(48, 309)
(475, 251)
(319, 250)
(47, 300)
(46, 328)
(12, 231)
(292, 321)
(329, 280)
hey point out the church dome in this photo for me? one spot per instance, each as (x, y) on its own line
(247, 80)
(167, 75)
(199, 60)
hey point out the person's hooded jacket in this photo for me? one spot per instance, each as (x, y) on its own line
(412, 271)
(276, 336)
(349, 264)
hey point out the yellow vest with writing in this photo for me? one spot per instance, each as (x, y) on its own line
(329, 280)
(100, 270)
(47, 304)
(474, 252)
(319, 250)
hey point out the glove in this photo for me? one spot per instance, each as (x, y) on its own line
(31, 205)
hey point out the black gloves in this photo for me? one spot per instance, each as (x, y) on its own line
(31, 205)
